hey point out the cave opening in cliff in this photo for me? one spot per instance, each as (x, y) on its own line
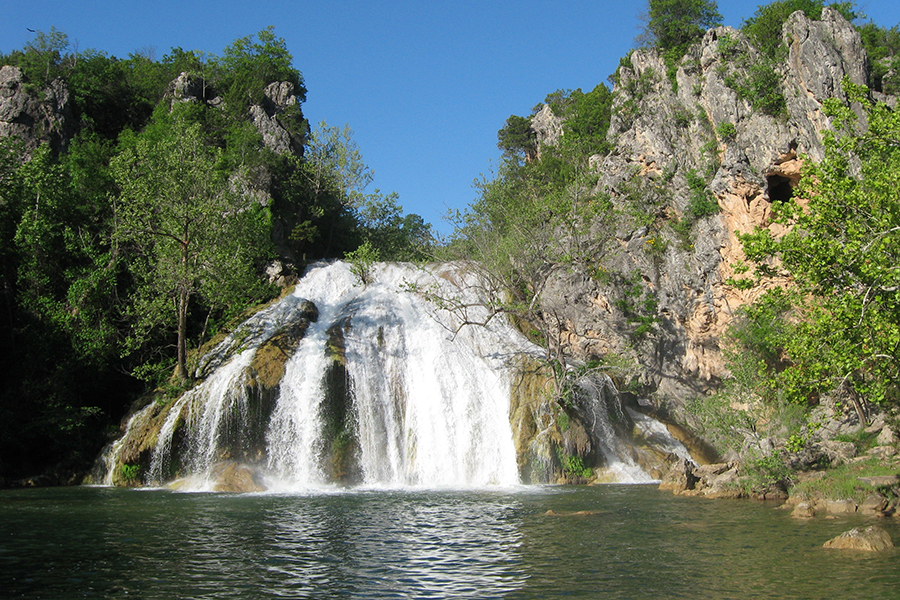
(779, 188)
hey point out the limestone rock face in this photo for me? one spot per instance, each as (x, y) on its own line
(870, 539)
(268, 117)
(547, 127)
(34, 118)
(823, 52)
(662, 133)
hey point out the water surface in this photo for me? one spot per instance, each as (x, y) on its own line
(628, 542)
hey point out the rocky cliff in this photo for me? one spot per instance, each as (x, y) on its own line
(671, 268)
(34, 116)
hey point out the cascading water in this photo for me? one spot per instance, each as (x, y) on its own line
(379, 387)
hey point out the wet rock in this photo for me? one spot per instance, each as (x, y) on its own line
(870, 539)
(577, 513)
(281, 274)
(680, 478)
(803, 510)
(840, 507)
(873, 504)
(236, 478)
(725, 484)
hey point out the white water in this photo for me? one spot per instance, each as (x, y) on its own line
(604, 407)
(429, 400)
(430, 409)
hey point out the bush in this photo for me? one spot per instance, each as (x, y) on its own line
(726, 131)
(702, 203)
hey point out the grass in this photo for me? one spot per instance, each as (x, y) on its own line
(842, 483)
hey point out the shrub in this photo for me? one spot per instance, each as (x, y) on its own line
(726, 131)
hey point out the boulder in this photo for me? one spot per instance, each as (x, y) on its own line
(878, 481)
(887, 437)
(882, 452)
(876, 425)
(873, 504)
(803, 510)
(841, 507)
(236, 478)
(680, 477)
(870, 539)
(839, 453)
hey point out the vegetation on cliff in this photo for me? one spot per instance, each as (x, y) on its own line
(139, 210)
(568, 220)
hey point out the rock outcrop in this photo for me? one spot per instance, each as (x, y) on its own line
(34, 117)
(664, 133)
(279, 105)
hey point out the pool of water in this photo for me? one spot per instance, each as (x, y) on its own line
(598, 542)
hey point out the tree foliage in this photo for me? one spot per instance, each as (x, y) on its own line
(839, 325)
(517, 138)
(248, 65)
(191, 234)
(673, 25)
(883, 47)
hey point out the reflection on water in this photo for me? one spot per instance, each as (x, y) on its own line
(603, 542)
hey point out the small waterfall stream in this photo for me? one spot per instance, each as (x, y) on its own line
(380, 388)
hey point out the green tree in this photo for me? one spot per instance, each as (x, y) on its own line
(248, 65)
(587, 119)
(531, 223)
(392, 234)
(673, 25)
(517, 138)
(841, 324)
(43, 58)
(337, 178)
(883, 48)
(191, 234)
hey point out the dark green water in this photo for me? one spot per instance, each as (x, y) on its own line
(640, 543)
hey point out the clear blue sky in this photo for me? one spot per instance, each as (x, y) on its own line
(425, 85)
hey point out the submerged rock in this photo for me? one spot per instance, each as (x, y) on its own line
(870, 539)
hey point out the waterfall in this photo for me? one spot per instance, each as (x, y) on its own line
(378, 386)
(426, 406)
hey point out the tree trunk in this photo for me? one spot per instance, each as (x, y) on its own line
(181, 369)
